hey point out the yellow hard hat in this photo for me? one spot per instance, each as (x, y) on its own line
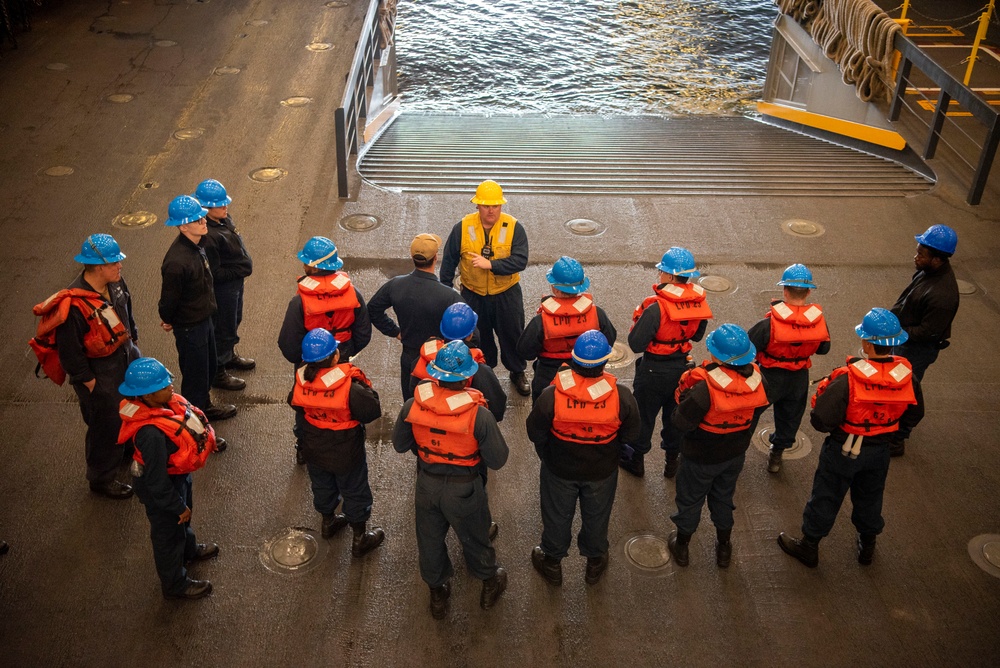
(489, 193)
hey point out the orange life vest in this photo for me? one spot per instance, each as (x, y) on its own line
(878, 394)
(796, 334)
(326, 398)
(734, 398)
(564, 319)
(328, 302)
(184, 424)
(429, 351)
(105, 335)
(444, 424)
(586, 409)
(682, 308)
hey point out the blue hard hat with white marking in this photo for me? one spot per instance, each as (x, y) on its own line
(453, 363)
(591, 349)
(881, 327)
(797, 276)
(145, 376)
(211, 194)
(183, 210)
(939, 237)
(678, 261)
(458, 322)
(100, 249)
(321, 253)
(317, 345)
(730, 345)
(566, 275)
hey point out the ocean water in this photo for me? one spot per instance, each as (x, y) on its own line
(669, 57)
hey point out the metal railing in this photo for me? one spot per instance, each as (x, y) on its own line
(950, 89)
(353, 110)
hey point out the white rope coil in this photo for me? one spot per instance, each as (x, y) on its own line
(857, 35)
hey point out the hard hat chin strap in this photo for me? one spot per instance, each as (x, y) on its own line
(90, 240)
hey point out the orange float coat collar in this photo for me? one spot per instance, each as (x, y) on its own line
(878, 394)
(563, 320)
(325, 399)
(328, 302)
(682, 308)
(444, 424)
(734, 397)
(586, 409)
(796, 334)
(183, 424)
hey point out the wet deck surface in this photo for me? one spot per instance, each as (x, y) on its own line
(79, 587)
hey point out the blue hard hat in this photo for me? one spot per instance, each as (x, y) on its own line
(797, 276)
(678, 262)
(939, 237)
(453, 363)
(591, 349)
(317, 345)
(210, 194)
(881, 327)
(144, 376)
(730, 345)
(183, 210)
(458, 322)
(566, 275)
(321, 253)
(100, 249)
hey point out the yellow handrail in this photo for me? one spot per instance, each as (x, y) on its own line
(984, 24)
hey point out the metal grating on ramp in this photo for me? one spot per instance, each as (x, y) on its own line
(623, 156)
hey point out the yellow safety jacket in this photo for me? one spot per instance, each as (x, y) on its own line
(474, 238)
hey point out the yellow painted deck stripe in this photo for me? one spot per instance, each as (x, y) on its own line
(865, 133)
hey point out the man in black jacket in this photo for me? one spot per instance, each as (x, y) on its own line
(926, 309)
(419, 300)
(187, 304)
(230, 264)
(578, 425)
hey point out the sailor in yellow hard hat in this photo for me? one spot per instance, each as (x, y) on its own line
(489, 249)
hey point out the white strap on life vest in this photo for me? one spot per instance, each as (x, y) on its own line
(899, 372)
(865, 367)
(813, 312)
(675, 290)
(472, 232)
(550, 304)
(194, 424)
(720, 377)
(429, 347)
(782, 310)
(503, 235)
(599, 389)
(129, 409)
(697, 288)
(566, 380)
(340, 281)
(309, 283)
(456, 401)
(753, 381)
(110, 315)
(425, 390)
(332, 376)
(582, 304)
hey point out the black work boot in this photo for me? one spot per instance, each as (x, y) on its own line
(548, 567)
(723, 547)
(804, 549)
(634, 464)
(492, 588)
(364, 540)
(866, 549)
(439, 600)
(671, 466)
(678, 546)
(774, 460)
(595, 568)
(226, 381)
(333, 523)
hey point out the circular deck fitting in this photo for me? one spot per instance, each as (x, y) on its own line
(717, 284)
(135, 219)
(802, 228)
(985, 553)
(298, 101)
(293, 550)
(120, 98)
(801, 448)
(966, 288)
(319, 46)
(647, 553)
(58, 170)
(360, 222)
(226, 69)
(257, 22)
(149, 185)
(335, 4)
(57, 67)
(188, 133)
(621, 356)
(268, 174)
(165, 43)
(585, 227)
